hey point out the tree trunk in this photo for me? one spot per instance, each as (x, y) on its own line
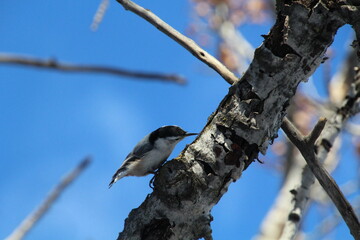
(245, 123)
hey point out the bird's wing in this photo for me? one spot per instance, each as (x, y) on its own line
(140, 150)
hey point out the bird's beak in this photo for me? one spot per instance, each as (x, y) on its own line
(190, 134)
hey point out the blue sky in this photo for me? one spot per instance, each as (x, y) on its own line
(50, 120)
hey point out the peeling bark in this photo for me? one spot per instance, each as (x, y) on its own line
(245, 123)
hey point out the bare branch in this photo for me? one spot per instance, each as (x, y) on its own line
(53, 64)
(340, 83)
(315, 133)
(292, 132)
(35, 216)
(326, 181)
(184, 41)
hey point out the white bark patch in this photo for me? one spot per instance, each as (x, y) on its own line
(197, 169)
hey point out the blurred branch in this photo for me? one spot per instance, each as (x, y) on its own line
(306, 147)
(273, 223)
(99, 15)
(35, 216)
(331, 222)
(184, 41)
(337, 120)
(238, 44)
(340, 83)
(353, 129)
(53, 64)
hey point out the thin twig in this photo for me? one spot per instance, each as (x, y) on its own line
(184, 41)
(35, 216)
(306, 147)
(53, 64)
(315, 133)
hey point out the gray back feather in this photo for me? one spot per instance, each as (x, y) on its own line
(141, 149)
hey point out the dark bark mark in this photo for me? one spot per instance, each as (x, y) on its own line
(157, 229)
(217, 151)
(207, 168)
(294, 217)
(275, 41)
(293, 192)
(233, 157)
(240, 150)
(326, 144)
(245, 91)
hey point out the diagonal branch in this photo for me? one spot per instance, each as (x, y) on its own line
(306, 147)
(53, 64)
(35, 216)
(184, 41)
(246, 121)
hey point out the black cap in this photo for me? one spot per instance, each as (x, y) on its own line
(168, 131)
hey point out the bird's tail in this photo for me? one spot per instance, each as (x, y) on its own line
(120, 173)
